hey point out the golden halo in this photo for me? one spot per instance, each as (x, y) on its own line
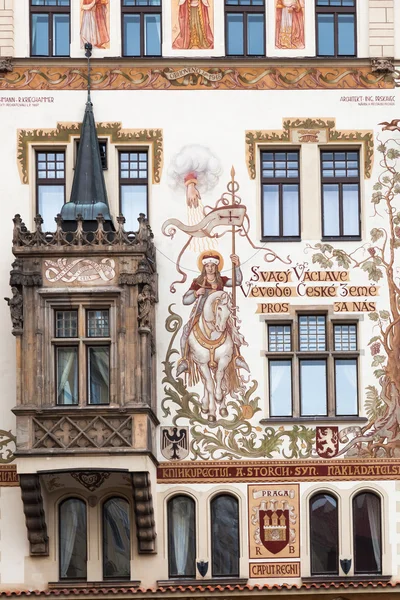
(210, 253)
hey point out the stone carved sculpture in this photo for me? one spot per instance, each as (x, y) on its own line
(6, 65)
(382, 65)
(16, 309)
(145, 301)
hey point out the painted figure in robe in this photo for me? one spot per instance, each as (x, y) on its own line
(289, 24)
(94, 23)
(194, 25)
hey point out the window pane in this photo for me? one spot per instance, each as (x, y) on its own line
(346, 35)
(345, 338)
(67, 375)
(116, 538)
(346, 386)
(61, 35)
(152, 40)
(324, 535)
(73, 539)
(235, 40)
(330, 210)
(313, 387)
(326, 35)
(271, 210)
(40, 35)
(255, 34)
(290, 209)
(98, 323)
(225, 536)
(181, 537)
(280, 388)
(133, 202)
(367, 534)
(99, 375)
(312, 333)
(279, 338)
(131, 35)
(50, 201)
(351, 213)
(66, 323)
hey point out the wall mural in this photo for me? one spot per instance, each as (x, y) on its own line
(192, 24)
(95, 23)
(207, 381)
(289, 24)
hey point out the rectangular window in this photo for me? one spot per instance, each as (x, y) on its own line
(336, 27)
(303, 357)
(50, 186)
(133, 181)
(141, 27)
(280, 195)
(87, 354)
(340, 176)
(50, 27)
(245, 27)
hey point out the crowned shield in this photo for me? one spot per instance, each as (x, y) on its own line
(274, 529)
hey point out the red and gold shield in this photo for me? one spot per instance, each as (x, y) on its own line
(274, 529)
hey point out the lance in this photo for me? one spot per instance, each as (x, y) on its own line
(233, 244)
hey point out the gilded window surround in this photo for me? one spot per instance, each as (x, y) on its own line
(64, 132)
(308, 131)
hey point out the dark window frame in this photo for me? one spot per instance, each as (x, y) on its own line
(336, 10)
(141, 10)
(169, 536)
(213, 499)
(117, 577)
(330, 355)
(132, 181)
(50, 10)
(340, 181)
(47, 181)
(246, 10)
(103, 147)
(372, 493)
(63, 501)
(83, 343)
(280, 182)
(281, 355)
(324, 492)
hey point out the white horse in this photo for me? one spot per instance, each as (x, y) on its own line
(212, 344)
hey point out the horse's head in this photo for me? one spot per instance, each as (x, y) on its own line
(222, 310)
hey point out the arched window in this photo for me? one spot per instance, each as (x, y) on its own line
(225, 536)
(324, 537)
(73, 539)
(116, 539)
(367, 533)
(181, 537)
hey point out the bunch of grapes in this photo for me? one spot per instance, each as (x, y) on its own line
(375, 348)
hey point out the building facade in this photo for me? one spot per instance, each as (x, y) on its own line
(201, 260)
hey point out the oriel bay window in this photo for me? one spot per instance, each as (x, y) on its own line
(312, 367)
(280, 195)
(336, 27)
(133, 180)
(141, 27)
(340, 176)
(82, 355)
(50, 27)
(245, 27)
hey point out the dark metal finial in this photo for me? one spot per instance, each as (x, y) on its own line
(88, 54)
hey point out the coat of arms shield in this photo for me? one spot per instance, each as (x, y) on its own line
(274, 529)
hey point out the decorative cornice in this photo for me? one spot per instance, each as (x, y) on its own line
(64, 131)
(34, 514)
(306, 127)
(144, 513)
(225, 77)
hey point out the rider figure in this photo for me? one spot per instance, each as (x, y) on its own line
(210, 280)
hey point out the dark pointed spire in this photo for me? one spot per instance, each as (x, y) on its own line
(88, 194)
